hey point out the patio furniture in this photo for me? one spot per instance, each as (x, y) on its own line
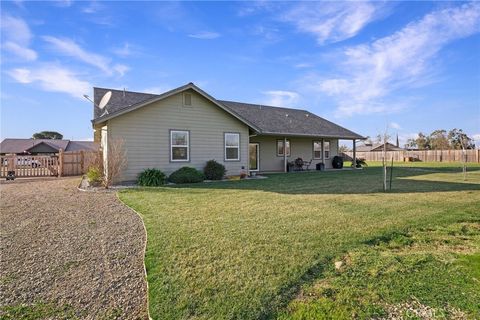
(299, 164)
(307, 164)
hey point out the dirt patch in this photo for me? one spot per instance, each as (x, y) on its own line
(64, 247)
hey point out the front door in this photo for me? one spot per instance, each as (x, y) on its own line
(253, 151)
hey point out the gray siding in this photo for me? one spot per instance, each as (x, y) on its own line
(146, 134)
(300, 148)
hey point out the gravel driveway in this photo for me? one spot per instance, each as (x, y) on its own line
(69, 254)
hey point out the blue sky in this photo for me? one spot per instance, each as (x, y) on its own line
(411, 66)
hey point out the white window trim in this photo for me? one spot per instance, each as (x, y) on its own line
(180, 146)
(231, 147)
(284, 148)
(320, 142)
(329, 149)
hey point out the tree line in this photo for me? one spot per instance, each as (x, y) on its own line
(440, 139)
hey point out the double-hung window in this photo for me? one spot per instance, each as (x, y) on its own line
(179, 145)
(317, 150)
(326, 147)
(281, 149)
(232, 146)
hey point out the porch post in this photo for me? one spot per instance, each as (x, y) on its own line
(354, 154)
(285, 164)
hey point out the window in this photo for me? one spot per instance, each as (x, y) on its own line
(232, 146)
(179, 145)
(317, 149)
(187, 99)
(280, 148)
(326, 146)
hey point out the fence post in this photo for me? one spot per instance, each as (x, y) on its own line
(60, 162)
(82, 162)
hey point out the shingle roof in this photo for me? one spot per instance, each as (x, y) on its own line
(23, 145)
(265, 119)
(287, 121)
(120, 99)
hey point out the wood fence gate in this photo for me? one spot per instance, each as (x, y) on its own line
(71, 163)
(29, 166)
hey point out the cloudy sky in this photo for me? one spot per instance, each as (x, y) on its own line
(408, 66)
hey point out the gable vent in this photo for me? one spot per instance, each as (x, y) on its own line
(187, 99)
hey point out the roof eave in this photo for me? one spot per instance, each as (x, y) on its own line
(288, 134)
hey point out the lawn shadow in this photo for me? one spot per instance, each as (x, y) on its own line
(368, 180)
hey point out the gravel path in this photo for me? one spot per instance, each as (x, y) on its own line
(70, 253)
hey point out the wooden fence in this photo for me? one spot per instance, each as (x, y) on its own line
(420, 155)
(71, 163)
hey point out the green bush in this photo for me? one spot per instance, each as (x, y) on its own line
(186, 175)
(151, 178)
(214, 170)
(94, 175)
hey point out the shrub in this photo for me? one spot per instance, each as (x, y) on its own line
(186, 175)
(151, 178)
(214, 170)
(95, 175)
(361, 163)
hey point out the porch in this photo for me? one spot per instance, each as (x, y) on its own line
(272, 153)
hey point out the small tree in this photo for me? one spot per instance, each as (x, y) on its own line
(116, 161)
(343, 149)
(47, 135)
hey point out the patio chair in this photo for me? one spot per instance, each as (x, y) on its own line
(307, 164)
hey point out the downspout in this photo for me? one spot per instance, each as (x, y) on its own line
(285, 164)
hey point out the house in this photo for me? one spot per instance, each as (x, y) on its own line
(372, 147)
(43, 146)
(187, 127)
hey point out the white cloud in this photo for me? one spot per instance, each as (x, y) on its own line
(476, 137)
(121, 69)
(395, 125)
(21, 52)
(333, 21)
(402, 60)
(281, 98)
(124, 51)
(205, 35)
(16, 29)
(93, 7)
(70, 48)
(52, 78)
(17, 37)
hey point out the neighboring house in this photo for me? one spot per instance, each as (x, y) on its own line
(372, 147)
(187, 127)
(43, 146)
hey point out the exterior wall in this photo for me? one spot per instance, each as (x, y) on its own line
(146, 135)
(299, 148)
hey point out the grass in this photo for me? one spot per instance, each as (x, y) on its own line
(251, 249)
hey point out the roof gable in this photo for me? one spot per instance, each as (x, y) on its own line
(115, 109)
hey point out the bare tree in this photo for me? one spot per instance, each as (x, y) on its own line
(115, 162)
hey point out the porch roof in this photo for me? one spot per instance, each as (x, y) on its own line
(289, 122)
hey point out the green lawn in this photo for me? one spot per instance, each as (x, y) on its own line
(261, 249)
